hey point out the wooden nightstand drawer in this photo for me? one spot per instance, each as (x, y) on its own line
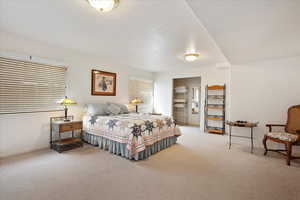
(77, 125)
(65, 127)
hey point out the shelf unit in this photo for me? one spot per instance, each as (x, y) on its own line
(180, 104)
(215, 110)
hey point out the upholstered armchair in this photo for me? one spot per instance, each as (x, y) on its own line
(289, 137)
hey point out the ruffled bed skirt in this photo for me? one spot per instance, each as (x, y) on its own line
(121, 148)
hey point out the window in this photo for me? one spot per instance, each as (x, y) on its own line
(30, 87)
(142, 89)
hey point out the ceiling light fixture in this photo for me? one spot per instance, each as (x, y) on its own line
(190, 57)
(104, 5)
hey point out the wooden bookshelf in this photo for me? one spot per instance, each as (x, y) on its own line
(217, 131)
(215, 106)
(215, 102)
(216, 87)
(215, 118)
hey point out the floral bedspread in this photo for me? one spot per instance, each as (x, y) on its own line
(136, 130)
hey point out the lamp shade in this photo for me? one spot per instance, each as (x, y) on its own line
(136, 101)
(66, 101)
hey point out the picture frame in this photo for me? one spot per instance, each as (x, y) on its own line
(103, 83)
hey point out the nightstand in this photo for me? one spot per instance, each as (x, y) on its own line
(155, 114)
(69, 134)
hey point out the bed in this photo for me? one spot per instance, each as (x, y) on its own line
(130, 135)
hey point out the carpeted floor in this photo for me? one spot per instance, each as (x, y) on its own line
(200, 166)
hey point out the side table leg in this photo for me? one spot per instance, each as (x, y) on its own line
(251, 139)
(229, 137)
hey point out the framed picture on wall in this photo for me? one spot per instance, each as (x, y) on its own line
(103, 83)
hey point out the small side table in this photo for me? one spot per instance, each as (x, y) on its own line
(155, 113)
(59, 126)
(245, 125)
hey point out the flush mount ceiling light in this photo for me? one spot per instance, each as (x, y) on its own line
(190, 57)
(104, 5)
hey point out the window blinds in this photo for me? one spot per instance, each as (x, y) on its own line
(30, 87)
(144, 90)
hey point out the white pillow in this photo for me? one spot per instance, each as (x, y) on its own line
(96, 109)
(124, 109)
(113, 109)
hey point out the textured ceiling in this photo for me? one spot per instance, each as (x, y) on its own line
(154, 34)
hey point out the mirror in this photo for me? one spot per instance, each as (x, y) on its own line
(195, 100)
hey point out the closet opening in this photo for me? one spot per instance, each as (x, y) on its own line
(186, 101)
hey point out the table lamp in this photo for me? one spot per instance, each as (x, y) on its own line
(66, 102)
(135, 102)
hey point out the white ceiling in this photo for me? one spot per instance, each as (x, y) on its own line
(148, 34)
(154, 34)
(252, 30)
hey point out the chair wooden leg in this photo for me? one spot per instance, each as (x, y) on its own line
(289, 153)
(265, 144)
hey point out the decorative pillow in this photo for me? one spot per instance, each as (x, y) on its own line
(113, 109)
(96, 109)
(123, 108)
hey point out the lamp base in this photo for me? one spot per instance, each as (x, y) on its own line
(66, 115)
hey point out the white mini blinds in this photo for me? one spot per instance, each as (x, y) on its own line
(30, 87)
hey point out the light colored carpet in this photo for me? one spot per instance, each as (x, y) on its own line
(200, 166)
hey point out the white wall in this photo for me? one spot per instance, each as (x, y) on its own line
(263, 91)
(209, 75)
(20, 133)
(259, 91)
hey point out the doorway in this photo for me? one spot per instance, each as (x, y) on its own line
(186, 101)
